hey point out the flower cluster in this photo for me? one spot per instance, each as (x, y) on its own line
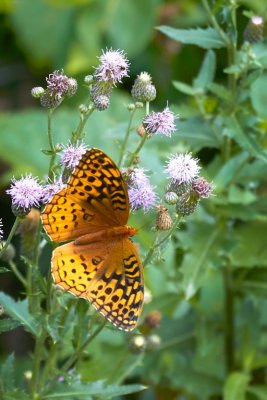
(58, 86)
(161, 123)
(112, 68)
(141, 193)
(186, 187)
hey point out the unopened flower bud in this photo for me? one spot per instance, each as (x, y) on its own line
(143, 90)
(131, 107)
(163, 221)
(88, 79)
(9, 253)
(187, 203)
(101, 102)
(171, 198)
(254, 30)
(153, 342)
(49, 100)
(139, 104)
(28, 230)
(137, 344)
(141, 130)
(37, 92)
(152, 319)
(83, 108)
(71, 87)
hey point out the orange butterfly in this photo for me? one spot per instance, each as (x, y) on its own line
(101, 263)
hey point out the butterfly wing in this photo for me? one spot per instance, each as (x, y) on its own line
(95, 198)
(109, 275)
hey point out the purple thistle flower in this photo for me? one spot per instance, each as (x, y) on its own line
(182, 168)
(161, 123)
(61, 85)
(71, 155)
(1, 229)
(25, 193)
(113, 66)
(141, 193)
(51, 189)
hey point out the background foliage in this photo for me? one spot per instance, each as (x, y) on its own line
(209, 283)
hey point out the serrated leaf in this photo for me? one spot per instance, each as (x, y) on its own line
(207, 71)
(8, 325)
(245, 139)
(93, 389)
(18, 310)
(205, 38)
(7, 374)
(235, 386)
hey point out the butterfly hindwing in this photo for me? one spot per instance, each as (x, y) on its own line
(110, 276)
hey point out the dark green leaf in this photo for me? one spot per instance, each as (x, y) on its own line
(258, 94)
(7, 374)
(18, 310)
(206, 38)
(8, 325)
(184, 88)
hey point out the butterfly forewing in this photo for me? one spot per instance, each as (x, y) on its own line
(95, 198)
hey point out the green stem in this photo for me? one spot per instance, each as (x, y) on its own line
(16, 272)
(38, 355)
(123, 147)
(74, 358)
(10, 236)
(215, 24)
(157, 243)
(126, 372)
(139, 147)
(77, 135)
(229, 320)
(176, 340)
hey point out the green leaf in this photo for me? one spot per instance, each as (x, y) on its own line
(259, 391)
(7, 374)
(205, 38)
(229, 170)
(4, 270)
(92, 389)
(220, 91)
(245, 139)
(31, 31)
(16, 395)
(18, 310)
(235, 386)
(207, 71)
(8, 325)
(197, 134)
(258, 95)
(184, 88)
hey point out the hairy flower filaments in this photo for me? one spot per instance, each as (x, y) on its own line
(1, 230)
(161, 123)
(182, 168)
(71, 155)
(58, 86)
(113, 66)
(51, 189)
(25, 193)
(141, 193)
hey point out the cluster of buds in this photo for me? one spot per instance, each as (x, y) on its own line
(59, 86)
(186, 188)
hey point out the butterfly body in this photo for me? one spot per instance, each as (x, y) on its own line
(100, 263)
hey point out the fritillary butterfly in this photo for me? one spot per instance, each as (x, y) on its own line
(100, 263)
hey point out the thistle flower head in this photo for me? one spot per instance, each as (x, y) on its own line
(113, 66)
(61, 85)
(202, 187)
(71, 155)
(25, 193)
(160, 122)
(254, 30)
(51, 189)
(1, 230)
(141, 193)
(182, 168)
